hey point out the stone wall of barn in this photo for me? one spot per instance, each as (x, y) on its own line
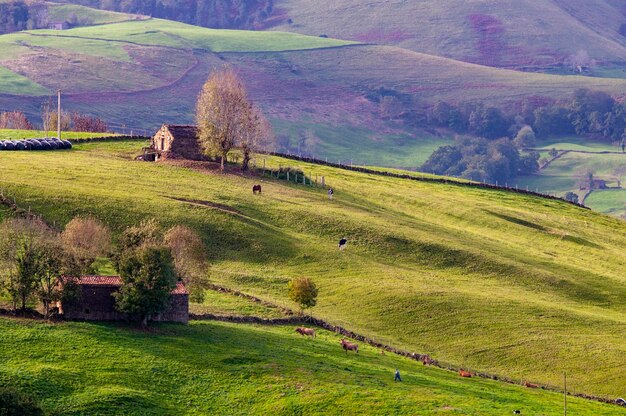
(177, 310)
(187, 148)
(97, 303)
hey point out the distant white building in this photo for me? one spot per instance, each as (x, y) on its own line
(59, 25)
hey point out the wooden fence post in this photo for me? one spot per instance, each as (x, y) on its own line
(323, 182)
(287, 176)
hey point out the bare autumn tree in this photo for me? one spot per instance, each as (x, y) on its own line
(46, 110)
(51, 121)
(85, 239)
(14, 120)
(256, 134)
(86, 123)
(189, 255)
(220, 113)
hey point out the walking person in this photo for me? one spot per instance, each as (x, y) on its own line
(397, 377)
(330, 193)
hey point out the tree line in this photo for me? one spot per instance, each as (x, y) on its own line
(498, 149)
(70, 121)
(16, 15)
(586, 112)
(220, 14)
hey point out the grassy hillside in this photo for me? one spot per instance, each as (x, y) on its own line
(86, 16)
(158, 32)
(510, 284)
(218, 368)
(118, 71)
(511, 33)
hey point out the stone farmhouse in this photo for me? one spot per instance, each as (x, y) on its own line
(96, 302)
(176, 142)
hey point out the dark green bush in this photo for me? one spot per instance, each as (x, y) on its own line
(14, 403)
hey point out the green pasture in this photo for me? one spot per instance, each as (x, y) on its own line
(563, 174)
(362, 146)
(504, 283)
(26, 42)
(226, 304)
(158, 32)
(610, 201)
(30, 134)
(87, 16)
(229, 369)
(15, 84)
(576, 143)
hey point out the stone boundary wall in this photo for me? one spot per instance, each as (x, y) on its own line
(420, 179)
(294, 319)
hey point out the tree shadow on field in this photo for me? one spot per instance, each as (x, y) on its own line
(239, 237)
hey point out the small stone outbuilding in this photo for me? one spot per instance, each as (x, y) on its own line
(177, 142)
(96, 302)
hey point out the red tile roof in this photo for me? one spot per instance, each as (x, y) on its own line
(180, 288)
(99, 280)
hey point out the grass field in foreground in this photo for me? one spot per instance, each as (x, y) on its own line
(509, 284)
(229, 369)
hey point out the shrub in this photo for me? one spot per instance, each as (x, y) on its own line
(303, 291)
(14, 403)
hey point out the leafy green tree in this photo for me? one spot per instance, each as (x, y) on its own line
(529, 163)
(148, 277)
(146, 233)
(442, 159)
(572, 197)
(525, 138)
(488, 122)
(23, 282)
(303, 291)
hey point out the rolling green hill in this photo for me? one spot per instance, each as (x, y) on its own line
(85, 15)
(509, 284)
(511, 33)
(227, 369)
(329, 87)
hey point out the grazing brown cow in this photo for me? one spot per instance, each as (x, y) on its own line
(464, 373)
(305, 331)
(349, 346)
(256, 188)
(530, 385)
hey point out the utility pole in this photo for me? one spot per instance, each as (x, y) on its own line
(564, 394)
(59, 114)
